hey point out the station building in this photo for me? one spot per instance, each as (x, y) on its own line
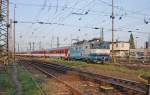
(121, 48)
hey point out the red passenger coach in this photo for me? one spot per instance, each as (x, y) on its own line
(59, 52)
(39, 53)
(56, 52)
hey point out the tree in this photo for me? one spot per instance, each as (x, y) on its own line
(131, 41)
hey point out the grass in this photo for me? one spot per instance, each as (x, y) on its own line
(109, 67)
(75, 63)
(6, 84)
(28, 85)
(104, 67)
(143, 72)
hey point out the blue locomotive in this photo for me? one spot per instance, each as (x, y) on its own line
(90, 52)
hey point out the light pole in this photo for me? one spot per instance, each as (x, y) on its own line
(40, 45)
(136, 41)
(101, 33)
(20, 46)
(113, 20)
(52, 38)
(14, 34)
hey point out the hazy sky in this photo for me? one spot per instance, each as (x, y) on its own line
(74, 19)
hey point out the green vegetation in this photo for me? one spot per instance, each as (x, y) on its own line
(104, 67)
(97, 66)
(110, 68)
(143, 72)
(75, 63)
(28, 85)
(6, 84)
(131, 40)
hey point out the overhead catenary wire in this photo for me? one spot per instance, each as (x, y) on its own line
(55, 16)
(53, 6)
(54, 23)
(105, 14)
(56, 6)
(65, 9)
(120, 8)
(70, 13)
(72, 7)
(58, 15)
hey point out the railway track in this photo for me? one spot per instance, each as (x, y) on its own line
(67, 88)
(84, 86)
(124, 85)
(119, 83)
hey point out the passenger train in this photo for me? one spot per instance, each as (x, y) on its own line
(97, 53)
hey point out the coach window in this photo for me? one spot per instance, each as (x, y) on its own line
(92, 45)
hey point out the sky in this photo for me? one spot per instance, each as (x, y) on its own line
(75, 19)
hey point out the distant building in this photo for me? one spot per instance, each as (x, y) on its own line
(121, 48)
(137, 53)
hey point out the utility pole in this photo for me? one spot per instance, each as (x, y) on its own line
(30, 46)
(57, 42)
(33, 48)
(52, 42)
(4, 28)
(11, 46)
(18, 48)
(113, 18)
(40, 46)
(15, 33)
(102, 34)
(8, 26)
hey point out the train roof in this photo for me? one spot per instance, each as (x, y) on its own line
(59, 48)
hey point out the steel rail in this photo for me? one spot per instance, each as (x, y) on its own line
(125, 83)
(129, 84)
(75, 91)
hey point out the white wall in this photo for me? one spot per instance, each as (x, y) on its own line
(120, 46)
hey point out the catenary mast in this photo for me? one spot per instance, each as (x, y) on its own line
(4, 28)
